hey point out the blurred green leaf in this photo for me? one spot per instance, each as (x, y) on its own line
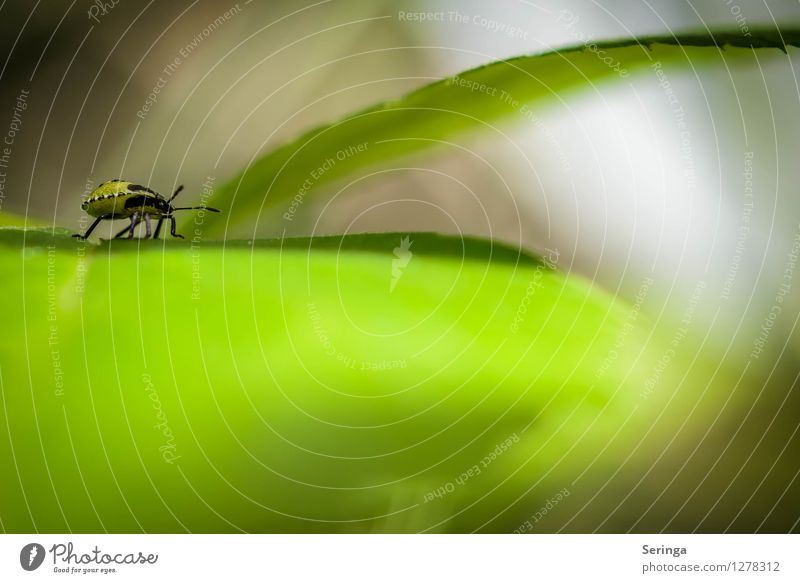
(279, 183)
(287, 386)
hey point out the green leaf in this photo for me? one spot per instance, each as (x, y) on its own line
(291, 386)
(273, 189)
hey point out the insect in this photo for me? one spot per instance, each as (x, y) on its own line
(119, 199)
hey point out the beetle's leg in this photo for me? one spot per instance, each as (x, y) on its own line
(90, 229)
(147, 224)
(158, 227)
(128, 228)
(172, 228)
(134, 222)
(122, 232)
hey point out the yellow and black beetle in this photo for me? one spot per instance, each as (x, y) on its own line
(118, 199)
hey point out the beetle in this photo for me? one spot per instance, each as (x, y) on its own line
(120, 199)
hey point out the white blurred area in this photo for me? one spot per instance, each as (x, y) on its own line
(610, 178)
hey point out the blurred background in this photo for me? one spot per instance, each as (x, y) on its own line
(705, 203)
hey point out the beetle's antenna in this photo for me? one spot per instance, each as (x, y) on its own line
(176, 193)
(193, 208)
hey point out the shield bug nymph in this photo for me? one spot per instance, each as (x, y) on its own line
(119, 199)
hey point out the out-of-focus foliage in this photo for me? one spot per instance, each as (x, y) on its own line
(274, 187)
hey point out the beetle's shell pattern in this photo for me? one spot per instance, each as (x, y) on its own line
(119, 199)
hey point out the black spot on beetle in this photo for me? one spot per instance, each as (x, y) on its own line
(137, 201)
(140, 188)
(145, 200)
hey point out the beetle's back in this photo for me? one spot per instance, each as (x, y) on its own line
(119, 199)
